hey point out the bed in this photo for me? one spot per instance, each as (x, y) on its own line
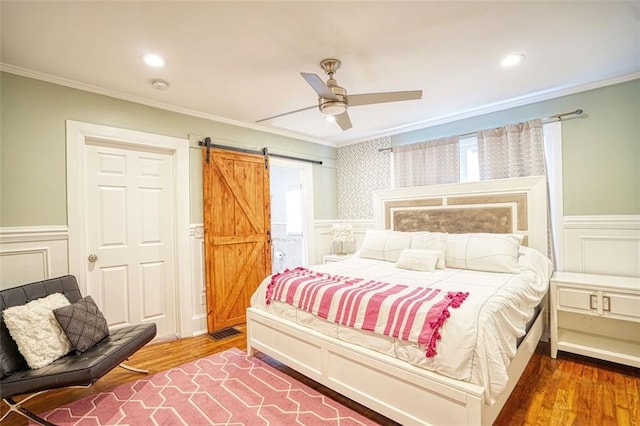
(394, 377)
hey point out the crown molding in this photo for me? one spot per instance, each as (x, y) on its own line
(531, 98)
(24, 72)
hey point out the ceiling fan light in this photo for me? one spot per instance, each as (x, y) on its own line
(330, 118)
(333, 107)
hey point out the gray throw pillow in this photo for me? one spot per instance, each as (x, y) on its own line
(83, 323)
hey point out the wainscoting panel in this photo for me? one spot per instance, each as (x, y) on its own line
(32, 253)
(199, 303)
(607, 245)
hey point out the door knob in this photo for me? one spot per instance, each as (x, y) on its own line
(93, 258)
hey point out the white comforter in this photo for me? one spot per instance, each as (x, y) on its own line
(478, 340)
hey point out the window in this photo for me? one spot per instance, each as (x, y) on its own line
(469, 162)
(469, 169)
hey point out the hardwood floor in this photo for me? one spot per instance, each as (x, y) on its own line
(571, 390)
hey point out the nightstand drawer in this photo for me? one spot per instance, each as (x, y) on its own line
(622, 305)
(577, 299)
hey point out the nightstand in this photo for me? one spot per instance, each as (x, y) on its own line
(596, 316)
(328, 258)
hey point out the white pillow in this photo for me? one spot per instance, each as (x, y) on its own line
(36, 331)
(484, 252)
(384, 244)
(431, 241)
(418, 260)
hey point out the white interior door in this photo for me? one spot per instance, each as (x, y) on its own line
(129, 231)
(128, 204)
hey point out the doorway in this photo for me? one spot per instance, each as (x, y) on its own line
(128, 223)
(291, 213)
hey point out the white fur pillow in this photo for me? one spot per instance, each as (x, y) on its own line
(384, 244)
(431, 241)
(484, 252)
(418, 260)
(36, 331)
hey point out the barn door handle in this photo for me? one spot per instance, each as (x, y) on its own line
(93, 258)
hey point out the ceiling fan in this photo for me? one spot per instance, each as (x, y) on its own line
(334, 101)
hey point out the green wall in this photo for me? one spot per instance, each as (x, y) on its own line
(33, 147)
(600, 150)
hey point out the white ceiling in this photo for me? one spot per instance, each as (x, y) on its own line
(241, 61)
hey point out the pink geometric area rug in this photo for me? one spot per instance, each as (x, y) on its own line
(226, 388)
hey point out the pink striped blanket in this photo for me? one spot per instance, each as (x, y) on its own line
(414, 314)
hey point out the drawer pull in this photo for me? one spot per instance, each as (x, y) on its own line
(593, 301)
(606, 304)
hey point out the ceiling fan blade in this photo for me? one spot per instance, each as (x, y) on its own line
(378, 98)
(344, 121)
(286, 113)
(318, 85)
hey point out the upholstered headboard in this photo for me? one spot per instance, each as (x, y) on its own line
(517, 206)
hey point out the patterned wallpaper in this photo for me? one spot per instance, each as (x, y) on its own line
(361, 169)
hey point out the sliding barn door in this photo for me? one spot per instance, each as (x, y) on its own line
(237, 239)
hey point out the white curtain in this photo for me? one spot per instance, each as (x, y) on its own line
(427, 163)
(518, 150)
(552, 135)
(515, 150)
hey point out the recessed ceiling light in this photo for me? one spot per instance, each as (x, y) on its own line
(159, 84)
(153, 60)
(512, 60)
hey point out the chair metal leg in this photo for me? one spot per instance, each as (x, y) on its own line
(130, 368)
(16, 407)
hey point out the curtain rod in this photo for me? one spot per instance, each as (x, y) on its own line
(550, 119)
